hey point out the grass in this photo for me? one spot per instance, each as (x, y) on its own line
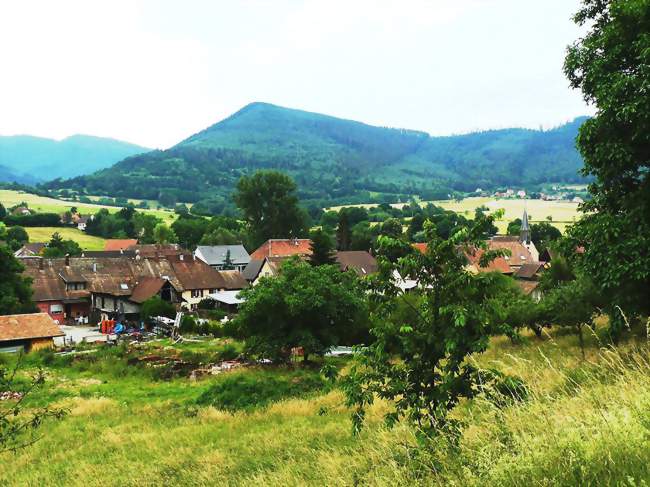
(85, 241)
(562, 213)
(51, 205)
(583, 423)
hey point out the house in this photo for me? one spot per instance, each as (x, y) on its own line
(27, 332)
(157, 250)
(81, 223)
(518, 253)
(217, 256)
(268, 267)
(283, 248)
(198, 280)
(499, 264)
(119, 243)
(21, 211)
(252, 271)
(360, 261)
(30, 250)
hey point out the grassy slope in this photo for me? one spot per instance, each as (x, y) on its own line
(85, 241)
(50, 205)
(585, 423)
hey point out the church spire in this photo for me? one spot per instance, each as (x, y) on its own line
(525, 229)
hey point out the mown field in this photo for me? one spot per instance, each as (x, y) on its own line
(50, 205)
(562, 213)
(85, 241)
(581, 422)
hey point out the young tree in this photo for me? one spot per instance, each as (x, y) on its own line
(322, 248)
(227, 262)
(58, 247)
(343, 231)
(162, 234)
(269, 204)
(304, 306)
(15, 290)
(610, 65)
(420, 364)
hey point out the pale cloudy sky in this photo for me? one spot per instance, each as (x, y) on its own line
(156, 71)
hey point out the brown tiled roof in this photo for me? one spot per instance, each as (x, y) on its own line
(359, 261)
(527, 286)
(157, 250)
(528, 271)
(20, 327)
(146, 288)
(33, 248)
(519, 254)
(232, 280)
(283, 248)
(119, 244)
(500, 264)
(196, 274)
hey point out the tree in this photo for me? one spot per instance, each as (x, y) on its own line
(322, 248)
(58, 247)
(304, 306)
(189, 230)
(162, 234)
(156, 306)
(543, 235)
(18, 234)
(3, 212)
(343, 232)
(609, 65)
(420, 365)
(269, 204)
(514, 227)
(220, 236)
(391, 228)
(15, 290)
(227, 262)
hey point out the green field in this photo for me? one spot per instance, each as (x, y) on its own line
(583, 422)
(50, 205)
(562, 213)
(85, 241)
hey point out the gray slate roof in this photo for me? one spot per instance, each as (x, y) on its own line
(216, 254)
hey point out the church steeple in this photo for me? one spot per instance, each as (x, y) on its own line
(525, 229)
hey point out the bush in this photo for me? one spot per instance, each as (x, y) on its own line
(250, 390)
(229, 352)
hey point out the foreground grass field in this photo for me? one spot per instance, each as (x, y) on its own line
(582, 422)
(50, 205)
(85, 241)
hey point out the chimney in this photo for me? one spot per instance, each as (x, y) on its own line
(121, 251)
(40, 263)
(67, 260)
(180, 257)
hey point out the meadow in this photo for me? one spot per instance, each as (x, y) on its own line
(561, 213)
(579, 422)
(85, 241)
(44, 204)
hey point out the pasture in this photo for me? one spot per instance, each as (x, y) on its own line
(579, 422)
(85, 241)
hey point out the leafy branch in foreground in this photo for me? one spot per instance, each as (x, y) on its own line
(422, 338)
(18, 426)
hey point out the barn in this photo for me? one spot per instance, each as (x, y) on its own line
(27, 332)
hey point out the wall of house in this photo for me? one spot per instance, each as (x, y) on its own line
(53, 308)
(265, 271)
(41, 343)
(190, 301)
(112, 303)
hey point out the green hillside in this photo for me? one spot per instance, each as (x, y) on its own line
(333, 159)
(28, 159)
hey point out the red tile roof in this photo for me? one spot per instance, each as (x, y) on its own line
(422, 247)
(119, 244)
(283, 248)
(500, 264)
(20, 327)
(146, 288)
(519, 254)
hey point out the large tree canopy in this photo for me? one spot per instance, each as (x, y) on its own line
(15, 290)
(611, 65)
(270, 206)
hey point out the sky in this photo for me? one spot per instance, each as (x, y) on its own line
(154, 72)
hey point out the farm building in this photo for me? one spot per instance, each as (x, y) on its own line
(27, 332)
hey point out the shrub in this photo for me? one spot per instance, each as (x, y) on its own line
(247, 391)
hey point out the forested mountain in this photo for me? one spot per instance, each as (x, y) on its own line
(28, 159)
(333, 159)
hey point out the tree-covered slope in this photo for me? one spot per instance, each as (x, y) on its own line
(44, 159)
(336, 159)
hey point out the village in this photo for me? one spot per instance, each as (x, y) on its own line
(111, 285)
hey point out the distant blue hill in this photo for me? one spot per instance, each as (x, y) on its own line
(27, 159)
(334, 159)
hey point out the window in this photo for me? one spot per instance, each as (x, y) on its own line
(212, 291)
(56, 308)
(196, 293)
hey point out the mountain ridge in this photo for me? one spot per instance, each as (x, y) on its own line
(29, 158)
(335, 159)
